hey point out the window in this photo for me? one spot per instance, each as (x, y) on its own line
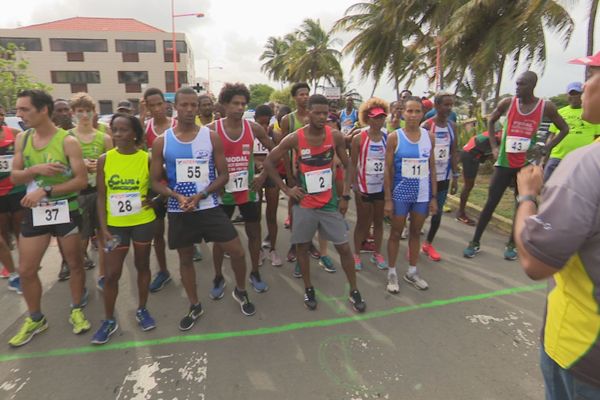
(135, 46)
(130, 57)
(75, 76)
(133, 88)
(79, 45)
(106, 106)
(28, 44)
(180, 46)
(79, 87)
(170, 85)
(75, 57)
(169, 57)
(133, 76)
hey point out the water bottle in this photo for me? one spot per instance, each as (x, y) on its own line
(112, 243)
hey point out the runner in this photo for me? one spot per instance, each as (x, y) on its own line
(477, 150)
(205, 110)
(410, 188)
(446, 165)
(154, 103)
(50, 162)
(237, 136)
(125, 107)
(316, 145)
(263, 117)
(366, 174)
(93, 143)
(524, 114)
(196, 169)
(581, 133)
(348, 116)
(125, 216)
(11, 211)
(290, 123)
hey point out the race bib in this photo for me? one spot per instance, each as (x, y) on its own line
(415, 168)
(375, 166)
(192, 170)
(51, 213)
(442, 152)
(318, 181)
(238, 182)
(122, 204)
(516, 144)
(6, 163)
(259, 149)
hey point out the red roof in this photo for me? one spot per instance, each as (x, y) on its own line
(95, 24)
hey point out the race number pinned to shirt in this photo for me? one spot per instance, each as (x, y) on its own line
(375, 166)
(192, 170)
(415, 168)
(6, 163)
(516, 144)
(123, 204)
(442, 152)
(51, 213)
(318, 181)
(238, 182)
(259, 148)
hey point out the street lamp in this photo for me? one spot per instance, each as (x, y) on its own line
(173, 41)
(208, 75)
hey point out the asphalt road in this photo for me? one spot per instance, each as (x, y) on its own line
(472, 335)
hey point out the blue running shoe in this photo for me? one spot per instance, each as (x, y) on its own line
(84, 299)
(159, 281)
(144, 319)
(297, 271)
(510, 252)
(327, 264)
(471, 250)
(218, 290)
(14, 284)
(102, 335)
(100, 284)
(257, 283)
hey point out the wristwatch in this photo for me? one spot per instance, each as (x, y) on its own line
(527, 197)
(346, 197)
(48, 190)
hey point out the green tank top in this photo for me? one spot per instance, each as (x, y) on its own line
(294, 122)
(127, 180)
(53, 152)
(91, 151)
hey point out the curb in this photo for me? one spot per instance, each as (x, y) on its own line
(501, 223)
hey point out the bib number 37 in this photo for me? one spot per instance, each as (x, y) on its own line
(53, 213)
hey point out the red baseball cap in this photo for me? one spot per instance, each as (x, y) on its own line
(376, 112)
(427, 103)
(592, 61)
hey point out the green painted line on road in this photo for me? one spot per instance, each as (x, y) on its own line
(294, 326)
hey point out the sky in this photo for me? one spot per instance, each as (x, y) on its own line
(232, 35)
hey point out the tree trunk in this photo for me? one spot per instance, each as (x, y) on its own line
(590, 32)
(460, 80)
(499, 82)
(397, 88)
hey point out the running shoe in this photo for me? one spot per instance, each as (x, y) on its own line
(103, 334)
(358, 304)
(379, 261)
(237, 219)
(4, 274)
(466, 220)
(287, 223)
(84, 299)
(144, 319)
(357, 263)
(404, 234)
(65, 272)
(327, 263)
(314, 253)
(367, 247)
(472, 249)
(276, 260)
(291, 256)
(28, 330)
(80, 324)
(189, 320)
(310, 299)
(160, 281)
(257, 283)
(297, 271)
(242, 297)
(392, 285)
(100, 283)
(197, 253)
(510, 252)
(266, 243)
(430, 251)
(416, 281)
(227, 255)
(88, 263)
(14, 284)
(447, 208)
(218, 290)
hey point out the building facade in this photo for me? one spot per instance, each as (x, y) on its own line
(112, 59)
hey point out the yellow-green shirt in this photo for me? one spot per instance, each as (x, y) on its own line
(581, 133)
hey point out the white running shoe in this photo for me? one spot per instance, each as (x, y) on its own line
(393, 286)
(416, 281)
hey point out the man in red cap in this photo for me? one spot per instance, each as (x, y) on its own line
(565, 246)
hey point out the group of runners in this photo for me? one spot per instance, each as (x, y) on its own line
(87, 184)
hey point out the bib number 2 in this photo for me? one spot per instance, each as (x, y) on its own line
(318, 181)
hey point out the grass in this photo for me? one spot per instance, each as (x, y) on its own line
(479, 196)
